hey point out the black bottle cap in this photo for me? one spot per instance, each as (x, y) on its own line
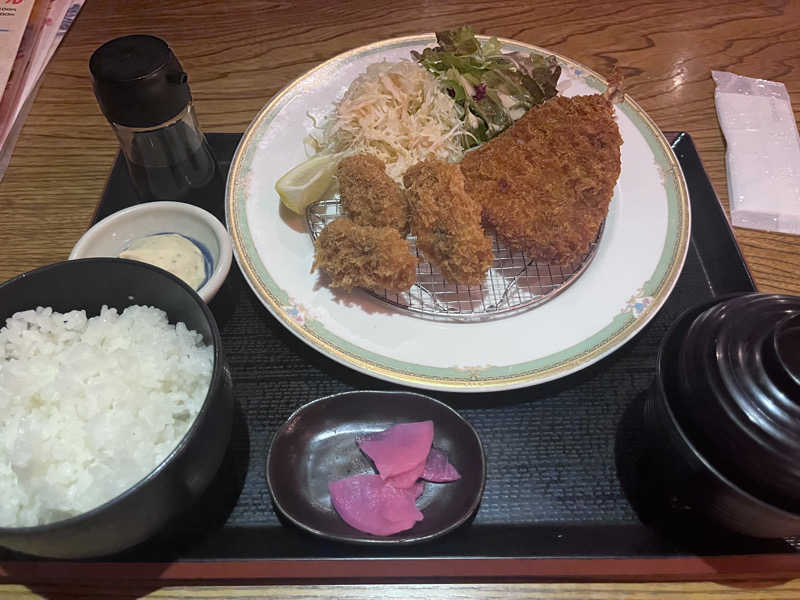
(138, 81)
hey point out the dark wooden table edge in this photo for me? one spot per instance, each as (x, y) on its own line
(714, 568)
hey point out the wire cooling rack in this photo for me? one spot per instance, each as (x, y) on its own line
(513, 283)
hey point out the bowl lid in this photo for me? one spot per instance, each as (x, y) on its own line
(738, 392)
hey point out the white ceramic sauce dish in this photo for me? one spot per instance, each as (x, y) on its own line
(115, 233)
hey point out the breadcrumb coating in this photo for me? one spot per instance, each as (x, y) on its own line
(369, 196)
(364, 256)
(545, 183)
(447, 222)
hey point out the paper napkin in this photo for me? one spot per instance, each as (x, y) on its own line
(763, 155)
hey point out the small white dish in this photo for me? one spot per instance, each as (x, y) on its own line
(115, 233)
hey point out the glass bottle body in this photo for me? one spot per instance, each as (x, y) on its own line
(173, 161)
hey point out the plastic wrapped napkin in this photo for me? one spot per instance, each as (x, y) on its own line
(763, 156)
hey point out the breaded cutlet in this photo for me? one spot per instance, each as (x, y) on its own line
(447, 222)
(364, 256)
(546, 182)
(369, 196)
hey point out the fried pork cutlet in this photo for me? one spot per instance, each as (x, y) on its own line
(447, 222)
(365, 256)
(369, 196)
(546, 182)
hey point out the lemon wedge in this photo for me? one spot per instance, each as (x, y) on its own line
(307, 182)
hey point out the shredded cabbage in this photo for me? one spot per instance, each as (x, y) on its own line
(398, 112)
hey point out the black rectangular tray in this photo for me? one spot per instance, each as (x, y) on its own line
(561, 497)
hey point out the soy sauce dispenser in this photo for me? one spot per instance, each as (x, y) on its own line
(144, 93)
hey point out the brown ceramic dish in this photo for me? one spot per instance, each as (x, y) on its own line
(317, 445)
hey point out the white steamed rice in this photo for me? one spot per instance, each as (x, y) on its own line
(90, 406)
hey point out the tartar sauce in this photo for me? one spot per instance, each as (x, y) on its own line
(171, 252)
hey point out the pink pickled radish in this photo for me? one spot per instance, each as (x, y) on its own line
(438, 469)
(400, 448)
(370, 505)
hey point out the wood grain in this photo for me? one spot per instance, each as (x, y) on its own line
(238, 53)
(515, 591)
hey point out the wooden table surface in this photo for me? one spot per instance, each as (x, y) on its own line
(238, 53)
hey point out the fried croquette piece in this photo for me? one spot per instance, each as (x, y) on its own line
(447, 222)
(369, 196)
(546, 182)
(365, 256)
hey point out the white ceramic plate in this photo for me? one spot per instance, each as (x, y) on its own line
(639, 259)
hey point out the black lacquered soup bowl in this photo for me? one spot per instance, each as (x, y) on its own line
(723, 414)
(184, 474)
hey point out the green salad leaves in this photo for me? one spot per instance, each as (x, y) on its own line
(493, 89)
